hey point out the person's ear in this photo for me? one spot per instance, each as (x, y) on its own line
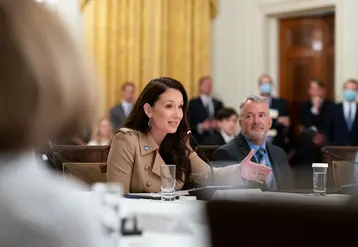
(270, 122)
(148, 110)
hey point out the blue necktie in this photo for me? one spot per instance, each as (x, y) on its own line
(260, 154)
(349, 118)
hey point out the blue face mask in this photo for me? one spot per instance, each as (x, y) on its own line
(349, 95)
(266, 88)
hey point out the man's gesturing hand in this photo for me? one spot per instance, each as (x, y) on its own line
(252, 171)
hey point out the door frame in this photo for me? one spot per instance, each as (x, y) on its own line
(273, 11)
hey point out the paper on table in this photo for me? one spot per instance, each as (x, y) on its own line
(179, 192)
(234, 194)
(163, 224)
(158, 195)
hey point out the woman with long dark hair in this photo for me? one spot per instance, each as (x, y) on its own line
(154, 134)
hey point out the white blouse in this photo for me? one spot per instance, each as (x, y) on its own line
(37, 209)
(95, 143)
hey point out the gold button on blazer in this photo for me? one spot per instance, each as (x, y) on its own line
(135, 162)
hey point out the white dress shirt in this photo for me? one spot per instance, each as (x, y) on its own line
(346, 109)
(208, 103)
(313, 109)
(38, 209)
(226, 137)
(127, 107)
(96, 143)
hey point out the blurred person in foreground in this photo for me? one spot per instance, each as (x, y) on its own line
(46, 91)
(156, 133)
(255, 122)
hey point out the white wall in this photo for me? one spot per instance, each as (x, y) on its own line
(245, 43)
(70, 11)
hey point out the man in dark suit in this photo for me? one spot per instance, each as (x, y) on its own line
(202, 111)
(343, 122)
(120, 112)
(280, 129)
(255, 122)
(314, 116)
(227, 127)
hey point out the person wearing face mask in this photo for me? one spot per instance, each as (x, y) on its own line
(255, 122)
(343, 124)
(278, 112)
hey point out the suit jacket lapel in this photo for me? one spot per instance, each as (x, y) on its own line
(355, 117)
(222, 140)
(245, 150)
(343, 118)
(121, 111)
(148, 147)
(275, 167)
(244, 146)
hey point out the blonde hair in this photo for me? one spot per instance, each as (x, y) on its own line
(46, 88)
(96, 131)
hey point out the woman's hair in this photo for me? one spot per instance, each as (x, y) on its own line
(96, 131)
(46, 89)
(173, 149)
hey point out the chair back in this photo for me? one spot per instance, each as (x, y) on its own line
(343, 173)
(86, 163)
(88, 172)
(335, 176)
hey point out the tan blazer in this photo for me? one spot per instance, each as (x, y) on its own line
(135, 162)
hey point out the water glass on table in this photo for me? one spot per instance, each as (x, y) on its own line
(319, 178)
(167, 176)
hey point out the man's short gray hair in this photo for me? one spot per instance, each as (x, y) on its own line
(253, 98)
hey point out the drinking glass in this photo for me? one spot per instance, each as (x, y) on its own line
(167, 176)
(319, 178)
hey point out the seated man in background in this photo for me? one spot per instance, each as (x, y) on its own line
(227, 127)
(255, 122)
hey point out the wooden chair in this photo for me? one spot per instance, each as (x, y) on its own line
(340, 171)
(86, 163)
(343, 173)
(88, 172)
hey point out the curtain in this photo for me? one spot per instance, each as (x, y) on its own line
(138, 40)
